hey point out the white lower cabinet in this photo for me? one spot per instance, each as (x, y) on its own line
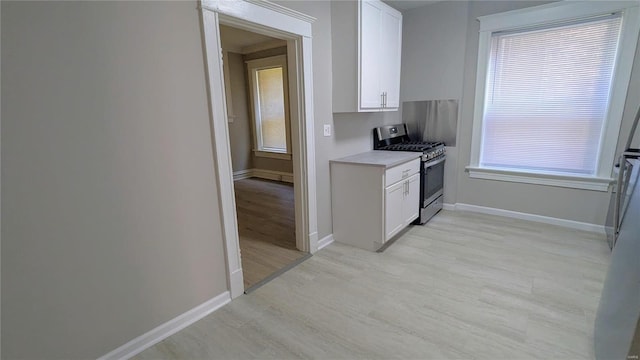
(394, 203)
(411, 204)
(401, 205)
(371, 204)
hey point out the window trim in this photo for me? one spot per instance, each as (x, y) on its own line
(266, 63)
(272, 154)
(548, 14)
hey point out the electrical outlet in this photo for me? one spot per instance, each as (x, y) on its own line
(327, 130)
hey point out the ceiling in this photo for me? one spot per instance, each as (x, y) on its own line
(234, 39)
(403, 5)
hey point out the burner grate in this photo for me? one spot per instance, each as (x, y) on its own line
(418, 146)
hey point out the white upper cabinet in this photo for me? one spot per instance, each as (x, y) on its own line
(366, 56)
(370, 61)
(391, 43)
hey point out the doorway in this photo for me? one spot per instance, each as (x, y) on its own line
(257, 99)
(295, 28)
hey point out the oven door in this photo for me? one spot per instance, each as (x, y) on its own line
(432, 180)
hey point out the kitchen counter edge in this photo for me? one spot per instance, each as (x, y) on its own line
(380, 158)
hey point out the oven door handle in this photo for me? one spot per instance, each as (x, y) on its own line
(432, 163)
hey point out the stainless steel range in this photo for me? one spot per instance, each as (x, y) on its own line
(396, 138)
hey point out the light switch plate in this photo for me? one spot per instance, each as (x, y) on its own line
(327, 130)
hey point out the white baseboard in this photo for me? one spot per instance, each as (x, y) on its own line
(313, 243)
(242, 174)
(450, 207)
(263, 174)
(325, 241)
(167, 329)
(273, 175)
(530, 217)
(236, 283)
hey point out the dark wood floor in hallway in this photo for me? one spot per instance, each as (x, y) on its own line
(266, 225)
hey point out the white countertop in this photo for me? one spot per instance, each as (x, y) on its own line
(380, 158)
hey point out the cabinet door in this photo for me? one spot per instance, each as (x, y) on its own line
(411, 201)
(370, 27)
(391, 43)
(393, 203)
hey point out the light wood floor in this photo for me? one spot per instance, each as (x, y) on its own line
(266, 226)
(464, 286)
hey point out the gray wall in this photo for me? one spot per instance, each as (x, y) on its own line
(428, 36)
(239, 129)
(433, 47)
(109, 208)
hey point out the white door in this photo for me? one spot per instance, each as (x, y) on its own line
(411, 203)
(371, 21)
(391, 44)
(394, 217)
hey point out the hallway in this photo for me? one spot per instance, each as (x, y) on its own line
(266, 226)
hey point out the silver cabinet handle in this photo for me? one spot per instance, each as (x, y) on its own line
(383, 99)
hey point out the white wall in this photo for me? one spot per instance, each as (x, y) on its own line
(432, 39)
(109, 209)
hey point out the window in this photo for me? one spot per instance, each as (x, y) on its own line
(268, 83)
(550, 94)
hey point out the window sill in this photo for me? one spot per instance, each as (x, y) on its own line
(567, 181)
(272, 155)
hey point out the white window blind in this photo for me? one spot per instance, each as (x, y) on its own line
(547, 96)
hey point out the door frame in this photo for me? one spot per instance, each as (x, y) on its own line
(276, 21)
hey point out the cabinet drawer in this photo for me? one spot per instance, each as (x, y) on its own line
(401, 172)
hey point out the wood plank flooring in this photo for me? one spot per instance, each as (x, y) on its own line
(266, 226)
(464, 286)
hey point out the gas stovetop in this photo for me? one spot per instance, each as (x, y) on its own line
(418, 146)
(395, 138)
